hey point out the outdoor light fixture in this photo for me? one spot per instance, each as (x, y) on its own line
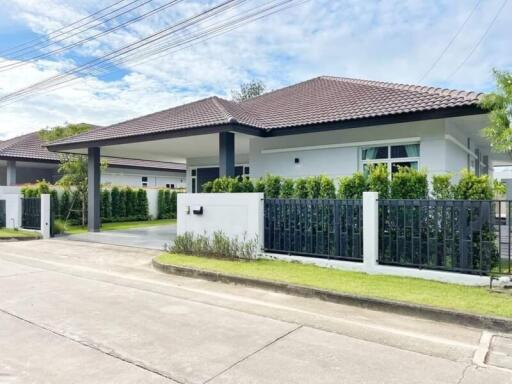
(198, 210)
(297, 160)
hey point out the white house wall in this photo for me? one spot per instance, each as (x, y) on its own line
(122, 176)
(345, 160)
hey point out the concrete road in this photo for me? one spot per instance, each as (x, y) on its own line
(73, 312)
(150, 237)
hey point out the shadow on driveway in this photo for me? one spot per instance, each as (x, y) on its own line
(151, 237)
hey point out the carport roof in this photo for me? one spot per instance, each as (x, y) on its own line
(30, 147)
(317, 101)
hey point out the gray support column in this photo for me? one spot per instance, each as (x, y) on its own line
(226, 154)
(93, 190)
(11, 172)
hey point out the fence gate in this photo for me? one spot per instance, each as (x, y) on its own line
(2, 213)
(31, 213)
(324, 228)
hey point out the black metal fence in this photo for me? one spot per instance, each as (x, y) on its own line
(31, 213)
(2, 214)
(454, 235)
(323, 228)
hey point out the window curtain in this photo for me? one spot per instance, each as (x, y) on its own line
(412, 150)
(370, 153)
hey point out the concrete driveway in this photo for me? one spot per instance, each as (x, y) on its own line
(150, 237)
(73, 312)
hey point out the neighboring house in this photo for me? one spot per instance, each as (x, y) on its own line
(326, 125)
(23, 160)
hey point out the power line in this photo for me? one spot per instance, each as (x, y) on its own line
(62, 31)
(91, 38)
(451, 41)
(482, 38)
(110, 60)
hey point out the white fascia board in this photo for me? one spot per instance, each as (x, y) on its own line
(343, 145)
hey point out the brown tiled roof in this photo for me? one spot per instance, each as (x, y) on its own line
(319, 100)
(29, 147)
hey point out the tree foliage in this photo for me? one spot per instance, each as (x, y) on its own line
(61, 132)
(499, 105)
(248, 90)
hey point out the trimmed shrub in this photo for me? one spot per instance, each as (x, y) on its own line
(352, 187)
(287, 189)
(408, 183)
(122, 204)
(142, 204)
(473, 187)
(173, 205)
(327, 188)
(301, 189)
(313, 185)
(160, 203)
(105, 205)
(54, 196)
(207, 187)
(442, 187)
(247, 185)
(378, 180)
(115, 198)
(259, 185)
(39, 188)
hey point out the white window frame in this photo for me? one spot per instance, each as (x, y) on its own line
(389, 160)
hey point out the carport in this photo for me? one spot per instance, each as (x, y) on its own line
(202, 129)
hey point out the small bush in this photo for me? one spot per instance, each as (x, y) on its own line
(442, 187)
(287, 189)
(259, 186)
(272, 186)
(327, 188)
(219, 245)
(105, 206)
(65, 205)
(247, 185)
(409, 183)
(301, 189)
(378, 180)
(207, 187)
(472, 187)
(313, 185)
(352, 187)
(59, 226)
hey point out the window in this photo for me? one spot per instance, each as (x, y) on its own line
(144, 181)
(394, 156)
(167, 185)
(172, 186)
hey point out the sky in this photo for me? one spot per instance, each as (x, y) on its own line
(387, 40)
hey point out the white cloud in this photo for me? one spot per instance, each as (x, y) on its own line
(394, 40)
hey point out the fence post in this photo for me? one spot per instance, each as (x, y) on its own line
(45, 215)
(370, 230)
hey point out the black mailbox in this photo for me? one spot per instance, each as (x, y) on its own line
(198, 210)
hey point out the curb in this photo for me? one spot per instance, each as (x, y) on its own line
(426, 312)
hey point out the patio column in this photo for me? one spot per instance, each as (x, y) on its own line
(11, 172)
(93, 190)
(226, 154)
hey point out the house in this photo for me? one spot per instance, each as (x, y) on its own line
(23, 160)
(326, 125)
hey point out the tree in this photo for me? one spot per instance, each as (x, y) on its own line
(248, 90)
(61, 132)
(73, 169)
(499, 105)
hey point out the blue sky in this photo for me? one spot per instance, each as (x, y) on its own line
(388, 40)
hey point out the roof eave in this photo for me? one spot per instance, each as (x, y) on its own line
(195, 131)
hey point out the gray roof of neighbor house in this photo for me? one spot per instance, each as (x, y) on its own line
(30, 147)
(317, 101)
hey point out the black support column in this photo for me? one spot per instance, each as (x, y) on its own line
(226, 154)
(93, 190)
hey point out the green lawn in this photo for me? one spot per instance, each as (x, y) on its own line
(19, 234)
(477, 300)
(122, 225)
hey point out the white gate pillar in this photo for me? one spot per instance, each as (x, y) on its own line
(370, 230)
(45, 216)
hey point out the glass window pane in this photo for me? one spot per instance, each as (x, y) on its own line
(375, 153)
(409, 164)
(410, 150)
(193, 172)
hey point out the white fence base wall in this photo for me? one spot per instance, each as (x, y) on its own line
(12, 210)
(239, 214)
(235, 214)
(45, 216)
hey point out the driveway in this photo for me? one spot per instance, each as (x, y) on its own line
(150, 237)
(73, 312)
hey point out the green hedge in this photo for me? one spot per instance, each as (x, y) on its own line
(167, 204)
(406, 183)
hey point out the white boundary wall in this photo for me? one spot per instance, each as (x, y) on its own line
(235, 214)
(12, 210)
(239, 213)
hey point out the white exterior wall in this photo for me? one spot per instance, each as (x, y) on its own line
(237, 215)
(133, 178)
(345, 160)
